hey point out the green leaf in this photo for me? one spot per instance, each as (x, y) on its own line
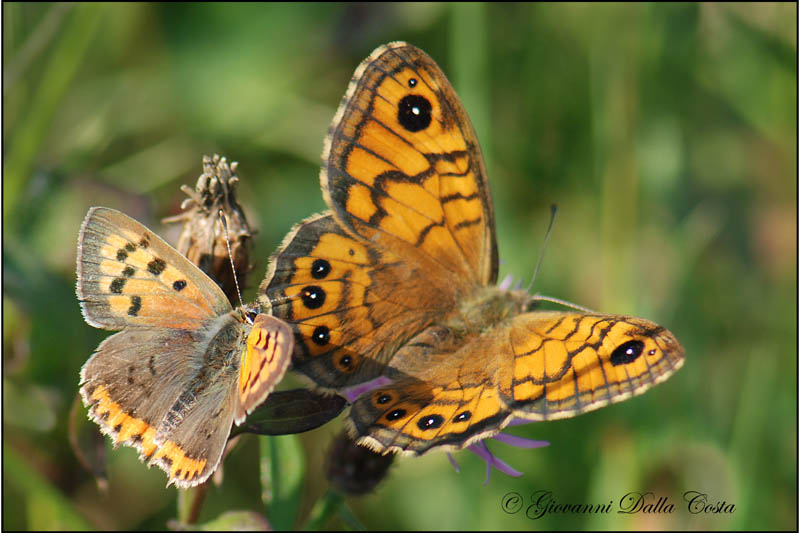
(282, 470)
(61, 69)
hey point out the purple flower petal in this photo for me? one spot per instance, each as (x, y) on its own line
(520, 421)
(355, 391)
(453, 462)
(506, 283)
(519, 442)
(504, 467)
(481, 450)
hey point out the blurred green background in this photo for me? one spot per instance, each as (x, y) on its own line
(666, 134)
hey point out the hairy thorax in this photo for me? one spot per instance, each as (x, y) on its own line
(487, 308)
(226, 340)
(476, 320)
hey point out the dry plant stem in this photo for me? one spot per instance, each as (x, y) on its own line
(203, 242)
(190, 503)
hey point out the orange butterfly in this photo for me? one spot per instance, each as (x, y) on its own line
(398, 279)
(185, 366)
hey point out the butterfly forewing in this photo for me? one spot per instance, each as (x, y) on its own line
(402, 167)
(129, 275)
(566, 363)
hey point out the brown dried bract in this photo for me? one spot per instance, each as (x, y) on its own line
(202, 239)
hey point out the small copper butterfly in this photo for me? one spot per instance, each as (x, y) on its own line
(185, 365)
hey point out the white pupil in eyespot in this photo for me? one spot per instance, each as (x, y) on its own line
(415, 110)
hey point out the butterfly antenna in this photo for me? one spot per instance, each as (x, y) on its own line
(553, 211)
(565, 303)
(224, 221)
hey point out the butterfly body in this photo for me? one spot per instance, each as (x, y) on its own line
(398, 279)
(185, 365)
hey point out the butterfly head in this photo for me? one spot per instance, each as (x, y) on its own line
(247, 313)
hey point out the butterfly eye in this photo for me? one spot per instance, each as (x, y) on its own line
(627, 353)
(414, 112)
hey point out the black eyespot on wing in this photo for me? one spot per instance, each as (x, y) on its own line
(320, 269)
(346, 362)
(179, 285)
(396, 414)
(414, 112)
(313, 297)
(463, 417)
(383, 398)
(136, 305)
(321, 335)
(627, 353)
(156, 266)
(116, 285)
(430, 422)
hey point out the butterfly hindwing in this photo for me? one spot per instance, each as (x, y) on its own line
(340, 294)
(539, 366)
(134, 386)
